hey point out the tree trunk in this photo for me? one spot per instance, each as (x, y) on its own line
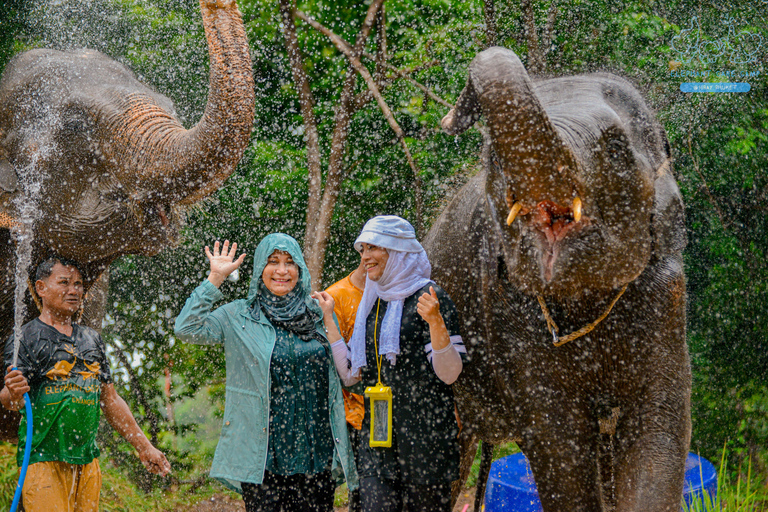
(322, 204)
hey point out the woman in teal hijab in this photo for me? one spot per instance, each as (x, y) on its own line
(284, 440)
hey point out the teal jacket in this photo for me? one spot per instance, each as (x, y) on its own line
(249, 339)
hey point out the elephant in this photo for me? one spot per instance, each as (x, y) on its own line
(113, 167)
(563, 255)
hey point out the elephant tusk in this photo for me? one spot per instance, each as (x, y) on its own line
(576, 209)
(513, 212)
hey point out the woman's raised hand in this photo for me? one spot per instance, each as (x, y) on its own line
(429, 307)
(222, 261)
(326, 302)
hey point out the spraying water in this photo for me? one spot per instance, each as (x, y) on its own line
(27, 202)
(30, 179)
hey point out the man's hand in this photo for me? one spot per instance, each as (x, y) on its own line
(12, 396)
(429, 308)
(154, 460)
(222, 261)
(118, 415)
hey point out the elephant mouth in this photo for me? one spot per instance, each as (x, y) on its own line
(555, 221)
(162, 213)
(555, 225)
(160, 217)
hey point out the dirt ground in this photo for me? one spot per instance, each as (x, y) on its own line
(224, 503)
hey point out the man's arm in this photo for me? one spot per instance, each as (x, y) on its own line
(120, 417)
(12, 394)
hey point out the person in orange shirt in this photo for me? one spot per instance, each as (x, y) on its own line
(347, 294)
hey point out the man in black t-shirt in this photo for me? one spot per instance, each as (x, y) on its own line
(64, 368)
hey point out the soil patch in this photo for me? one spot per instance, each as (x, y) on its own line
(225, 503)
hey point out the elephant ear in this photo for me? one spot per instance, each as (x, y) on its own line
(668, 224)
(8, 183)
(8, 180)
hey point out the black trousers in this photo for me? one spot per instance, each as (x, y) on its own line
(381, 495)
(354, 496)
(294, 493)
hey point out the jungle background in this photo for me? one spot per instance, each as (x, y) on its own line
(347, 127)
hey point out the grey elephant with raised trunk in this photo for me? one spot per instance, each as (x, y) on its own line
(564, 258)
(115, 167)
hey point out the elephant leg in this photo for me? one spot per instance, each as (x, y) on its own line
(650, 460)
(468, 448)
(565, 468)
(486, 458)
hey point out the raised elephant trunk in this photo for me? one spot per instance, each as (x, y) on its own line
(541, 172)
(175, 165)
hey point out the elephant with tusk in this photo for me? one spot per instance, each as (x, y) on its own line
(106, 161)
(564, 257)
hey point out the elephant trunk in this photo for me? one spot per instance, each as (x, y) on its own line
(171, 164)
(541, 171)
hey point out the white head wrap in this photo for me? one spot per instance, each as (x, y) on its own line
(404, 274)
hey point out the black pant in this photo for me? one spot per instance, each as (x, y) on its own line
(354, 496)
(294, 493)
(380, 495)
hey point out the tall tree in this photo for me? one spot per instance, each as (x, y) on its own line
(323, 195)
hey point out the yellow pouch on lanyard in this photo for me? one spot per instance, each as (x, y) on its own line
(380, 397)
(381, 415)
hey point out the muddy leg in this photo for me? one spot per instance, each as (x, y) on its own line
(468, 449)
(565, 469)
(650, 465)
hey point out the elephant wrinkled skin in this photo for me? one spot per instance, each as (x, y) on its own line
(576, 201)
(115, 166)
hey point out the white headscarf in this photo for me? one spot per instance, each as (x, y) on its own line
(404, 274)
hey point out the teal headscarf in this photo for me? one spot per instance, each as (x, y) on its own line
(296, 311)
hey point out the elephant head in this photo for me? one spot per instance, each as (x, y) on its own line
(572, 186)
(113, 164)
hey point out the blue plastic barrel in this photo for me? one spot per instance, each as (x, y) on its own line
(511, 487)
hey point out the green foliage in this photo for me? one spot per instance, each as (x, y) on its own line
(9, 474)
(722, 157)
(12, 15)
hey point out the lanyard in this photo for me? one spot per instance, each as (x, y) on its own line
(375, 341)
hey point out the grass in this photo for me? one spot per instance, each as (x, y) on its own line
(118, 494)
(499, 451)
(744, 495)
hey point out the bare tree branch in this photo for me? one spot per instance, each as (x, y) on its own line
(344, 47)
(316, 237)
(490, 23)
(546, 38)
(381, 44)
(307, 105)
(535, 63)
(403, 73)
(364, 97)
